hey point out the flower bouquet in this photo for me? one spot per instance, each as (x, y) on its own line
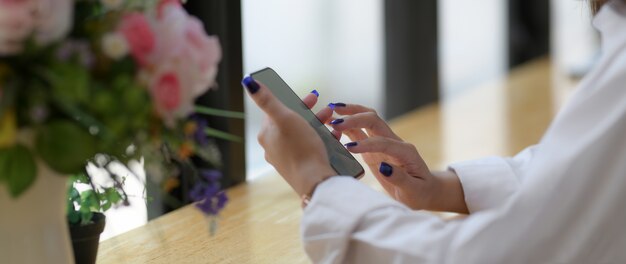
(105, 82)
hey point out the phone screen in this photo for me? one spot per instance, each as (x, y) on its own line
(340, 159)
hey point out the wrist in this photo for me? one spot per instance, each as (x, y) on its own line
(448, 193)
(313, 174)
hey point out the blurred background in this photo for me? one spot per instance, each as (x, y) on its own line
(394, 56)
(398, 55)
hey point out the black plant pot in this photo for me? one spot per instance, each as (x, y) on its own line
(85, 239)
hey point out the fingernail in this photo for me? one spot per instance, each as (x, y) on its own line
(351, 144)
(336, 121)
(385, 169)
(332, 106)
(315, 93)
(251, 85)
(340, 104)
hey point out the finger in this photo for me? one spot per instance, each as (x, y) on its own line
(404, 153)
(370, 121)
(336, 134)
(311, 99)
(392, 174)
(325, 115)
(349, 109)
(355, 134)
(264, 98)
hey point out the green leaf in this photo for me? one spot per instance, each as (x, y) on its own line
(19, 169)
(115, 197)
(106, 205)
(221, 134)
(69, 81)
(85, 217)
(73, 217)
(219, 112)
(73, 194)
(65, 146)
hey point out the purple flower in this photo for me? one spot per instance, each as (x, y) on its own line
(211, 175)
(76, 49)
(221, 200)
(212, 202)
(199, 135)
(210, 199)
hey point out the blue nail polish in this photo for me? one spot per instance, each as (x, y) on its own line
(340, 104)
(315, 93)
(385, 169)
(336, 121)
(351, 144)
(332, 106)
(251, 85)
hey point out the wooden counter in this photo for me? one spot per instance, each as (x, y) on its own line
(261, 222)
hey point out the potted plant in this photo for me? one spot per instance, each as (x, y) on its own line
(85, 208)
(80, 78)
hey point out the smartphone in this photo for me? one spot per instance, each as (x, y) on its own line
(340, 159)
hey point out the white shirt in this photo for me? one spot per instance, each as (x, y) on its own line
(561, 201)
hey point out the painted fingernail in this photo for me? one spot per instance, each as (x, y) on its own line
(351, 144)
(385, 169)
(315, 93)
(340, 104)
(332, 106)
(336, 121)
(251, 85)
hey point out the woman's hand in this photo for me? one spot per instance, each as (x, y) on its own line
(396, 164)
(291, 145)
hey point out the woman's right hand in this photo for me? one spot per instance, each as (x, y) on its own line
(396, 164)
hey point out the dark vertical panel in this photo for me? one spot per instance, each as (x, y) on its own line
(412, 74)
(223, 18)
(528, 30)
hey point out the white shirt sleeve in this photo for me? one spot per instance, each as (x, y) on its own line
(489, 182)
(568, 208)
(360, 225)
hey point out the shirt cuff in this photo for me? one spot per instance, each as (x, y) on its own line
(487, 182)
(333, 213)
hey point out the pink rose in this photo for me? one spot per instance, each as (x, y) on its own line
(163, 4)
(205, 51)
(169, 31)
(184, 61)
(166, 91)
(48, 20)
(169, 88)
(136, 29)
(182, 37)
(16, 24)
(54, 20)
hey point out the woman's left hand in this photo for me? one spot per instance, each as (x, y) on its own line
(291, 145)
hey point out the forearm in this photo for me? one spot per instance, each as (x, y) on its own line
(448, 195)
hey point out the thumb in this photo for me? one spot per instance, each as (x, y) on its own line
(264, 98)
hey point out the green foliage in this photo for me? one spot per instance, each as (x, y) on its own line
(65, 146)
(18, 169)
(82, 205)
(69, 81)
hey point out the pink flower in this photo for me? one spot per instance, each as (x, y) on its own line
(166, 91)
(54, 20)
(205, 51)
(183, 64)
(140, 37)
(48, 20)
(182, 37)
(169, 88)
(16, 24)
(163, 4)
